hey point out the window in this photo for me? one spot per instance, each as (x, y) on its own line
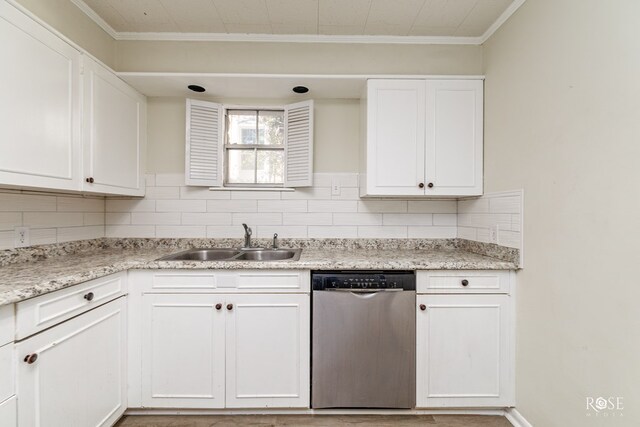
(254, 148)
(249, 147)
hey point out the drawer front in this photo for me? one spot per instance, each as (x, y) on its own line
(9, 413)
(471, 282)
(223, 281)
(7, 372)
(39, 313)
(7, 324)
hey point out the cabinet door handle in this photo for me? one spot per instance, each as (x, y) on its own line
(423, 307)
(465, 282)
(90, 180)
(229, 307)
(31, 358)
(89, 296)
(218, 306)
(421, 185)
(430, 185)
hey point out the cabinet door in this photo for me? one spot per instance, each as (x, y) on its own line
(78, 378)
(114, 133)
(454, 137)
(9, 413)
(39, 106)
(464, 351)
(183, 351)
(395, 137)
(268, 351)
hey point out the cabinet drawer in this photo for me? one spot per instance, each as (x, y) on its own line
(7, 373)
(39, 313)
(472, 282)
(7, 324)
(216, 281)
(9, 412)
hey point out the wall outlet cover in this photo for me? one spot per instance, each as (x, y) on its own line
(493, 234)
(21, 237)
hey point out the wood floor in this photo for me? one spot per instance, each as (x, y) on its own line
(314, 420)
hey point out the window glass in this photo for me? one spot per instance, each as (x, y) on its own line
(241, 166)
(242, 127)
(270, 166)
(271, 127)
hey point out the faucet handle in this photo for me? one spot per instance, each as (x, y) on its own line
(275, 241)
(247, 229)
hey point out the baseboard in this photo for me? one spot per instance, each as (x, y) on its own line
(302, 411)
(516, 418)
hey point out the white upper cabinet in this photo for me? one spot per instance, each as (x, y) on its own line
(39, 106)
(114, 133)
(422, 138)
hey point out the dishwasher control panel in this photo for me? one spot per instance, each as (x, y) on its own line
(329, 280)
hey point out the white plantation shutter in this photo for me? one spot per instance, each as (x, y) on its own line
(298, 136)
(203, 155)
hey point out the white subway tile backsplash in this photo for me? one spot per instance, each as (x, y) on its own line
(203, 193)
(408, 219)
(384, 232)
(253, 219)
(323, 218)
(117, 218)
(80, 204)
(436, 232)
(480, 205)
(232, 206)
(6, 239)
(155, 218)
(507, 204)
(449, 219)
(322, 231)
(130, 205)
(509, 238)
(130, 231)
(68, 234)
(150, 180)
(322, 180)
(180, 231)
(468, 233)
(357, 219)
(284, 231)
(53, 219)
(44, 236)
(16, 202)
(347, 193)
(94, 218)
(223, 231)
(433, 206)
(333, 206)
(309, 193)
(382, 206)
(208, 218)
(181, 206)
(255, 195)
(282, 206)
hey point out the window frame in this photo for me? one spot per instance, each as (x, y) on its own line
(226, 147)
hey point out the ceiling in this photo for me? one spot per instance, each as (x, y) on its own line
(321, 18)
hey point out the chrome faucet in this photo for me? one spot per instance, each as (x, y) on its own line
(247, 237)
(274, 245)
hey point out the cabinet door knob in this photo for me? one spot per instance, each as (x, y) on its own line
(90, 180)
(421, 185)
(430, 185)
(89, 296)
(229, 307)
(218, 306)
(423, 307)
(31, 358)
(465, 282)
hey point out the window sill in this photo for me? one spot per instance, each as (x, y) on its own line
(280, 189)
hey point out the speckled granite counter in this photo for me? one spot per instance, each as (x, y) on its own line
(63, 267)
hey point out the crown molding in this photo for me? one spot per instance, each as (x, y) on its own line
(501, 20)
(297, 38)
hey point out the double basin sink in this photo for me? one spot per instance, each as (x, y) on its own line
(226, 254)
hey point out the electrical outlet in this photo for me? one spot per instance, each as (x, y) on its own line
(21, 237)
(493, 233)
(335, 186)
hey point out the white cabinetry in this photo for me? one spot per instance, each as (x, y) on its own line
(39, 106)
(114, 133)
(242, 341)
(73, 374)
(465, 347)
(423, 138)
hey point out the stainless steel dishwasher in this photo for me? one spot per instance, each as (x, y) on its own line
(363, 339)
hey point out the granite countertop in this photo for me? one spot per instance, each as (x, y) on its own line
(23, 280)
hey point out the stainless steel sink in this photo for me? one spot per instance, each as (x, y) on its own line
(222, 254)
(270, 255)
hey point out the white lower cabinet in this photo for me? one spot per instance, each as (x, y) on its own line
(9, 412)
(73, 374)
(225, 350)
(464, 351)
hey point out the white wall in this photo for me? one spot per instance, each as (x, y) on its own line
(336, 133)
(562, 121)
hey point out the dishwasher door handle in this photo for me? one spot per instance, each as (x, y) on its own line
(363, 291)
